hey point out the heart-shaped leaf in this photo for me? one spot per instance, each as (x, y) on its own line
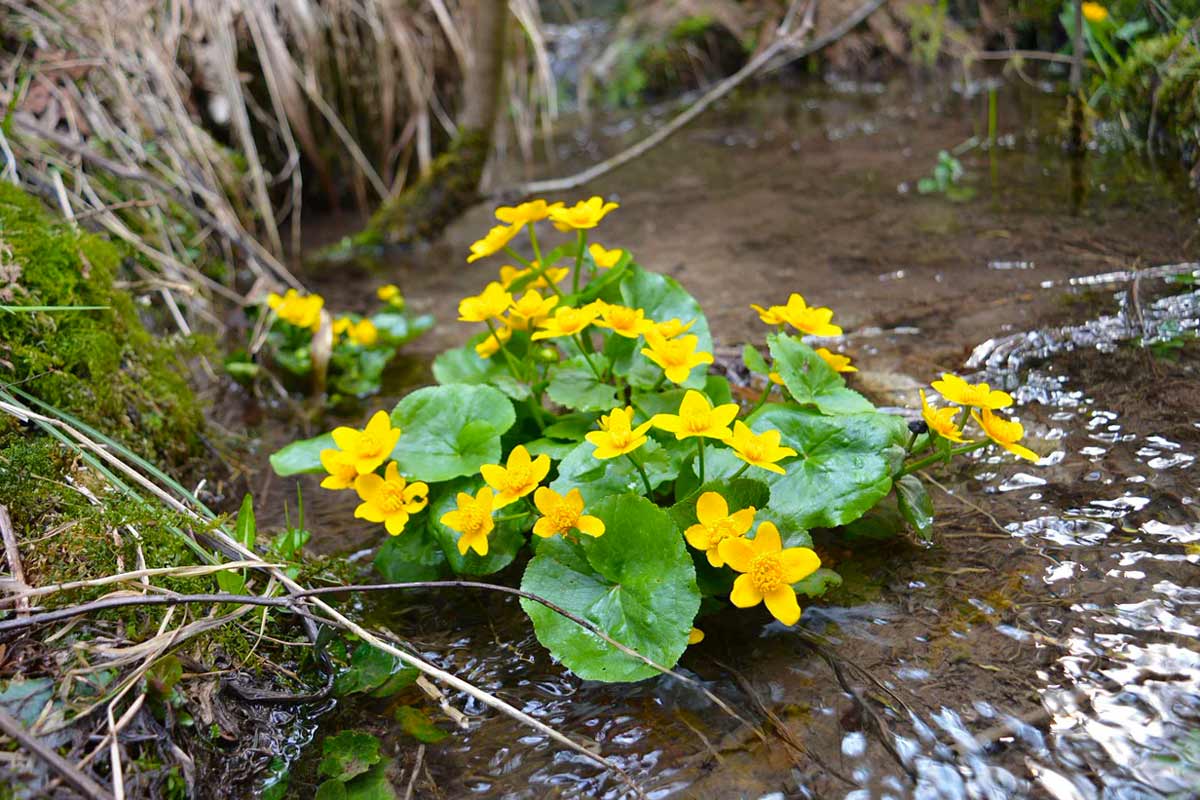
(450, 431)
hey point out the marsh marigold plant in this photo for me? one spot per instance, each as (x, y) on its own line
(582, 423)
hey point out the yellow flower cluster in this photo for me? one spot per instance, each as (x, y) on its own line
(980, 401)
(390, 499)
(303, 311)
(362, 333)
(812, 320)
(519, 477)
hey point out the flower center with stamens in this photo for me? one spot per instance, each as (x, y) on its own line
(471, 520)
(390, 498)
(368, 445)
(698, 422)
(563, 518)
(767, 573)
(516, 479)
(719, 531)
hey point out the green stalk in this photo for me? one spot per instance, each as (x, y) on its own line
(508, 250)
(641, 471)
(31, 309)
(741, 471)
(762, 400)
(542, 265)
(700, 456)
(955, 451)
(510, 517)
(578, 339)
(535, 408)
(578, 261)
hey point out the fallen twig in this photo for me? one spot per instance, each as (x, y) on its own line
(78, 780)
(13, 553)
(784, 50)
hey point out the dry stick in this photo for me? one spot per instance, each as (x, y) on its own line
(151, 572)
(587, 625)
(79, 781)
(232, 545)
(13, 553)
(779, 46)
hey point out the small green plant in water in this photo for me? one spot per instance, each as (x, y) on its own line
(582, 422)
(346, 354)
(946, 179)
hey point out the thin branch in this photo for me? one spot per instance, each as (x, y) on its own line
(78, 780)
(13, 553)
(781, 47)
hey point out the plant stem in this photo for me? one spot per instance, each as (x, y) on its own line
(578, 261)
(510, 517)
(535, 407)
(583, 350)
(925, 462)
(762, 400)
(641, 471)
(540, 272)
(518, 257)
(700, 456)
(740, 472)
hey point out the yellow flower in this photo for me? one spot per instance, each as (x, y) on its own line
(979, 395)
(390, 293)
(941, 420)
(567, 321)
(491, 345)
(624, 321)
(1006, 433)
(836, 361)
(531, 309)
(677, 357)
(303, 311)
(562, 514)
(472, 519)
(341, 469)
(517, 478)
(362, 332)
(1094, 12)
(533, 211)
(495, 241)
(493, 301)
(370, 447)
(698, 417)
(509, 274)
(761, 450)
(617, 436)
(768, 572)
(581, 216)
(674, 327)
(716, 524)
(814, 320)
(695, 636)
(604, 258)
(769, 316)
(390, 499)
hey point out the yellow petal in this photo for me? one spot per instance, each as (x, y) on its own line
(766, 540)
(782, 604)
(737, 553)
(743, 520)
(798, 563)
(592, 526)
(745, 594)
(711, 507)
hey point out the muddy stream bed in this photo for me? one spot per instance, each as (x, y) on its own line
(1045, 645)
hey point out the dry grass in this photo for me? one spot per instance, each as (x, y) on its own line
(189, 127)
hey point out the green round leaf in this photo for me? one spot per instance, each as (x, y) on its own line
(845, 464)
(463, 365)
(347, 754)
(573, 384)
(450, 431)
(397, 327)
(811, 381)
(636, 582)
(414, 555)
(302, 456)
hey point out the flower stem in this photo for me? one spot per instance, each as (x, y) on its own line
(700, 456)
(925, 462)
(762, 400)
(535, 407)
(509, 517)
(641, 471)
(540, 272)
(740, 472)
(518, 257)
(578, 338)
(578, 261)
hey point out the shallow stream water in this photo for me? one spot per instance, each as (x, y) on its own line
(1046, 644)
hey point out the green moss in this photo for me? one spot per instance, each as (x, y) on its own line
(100, 366)
(1157, 89)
